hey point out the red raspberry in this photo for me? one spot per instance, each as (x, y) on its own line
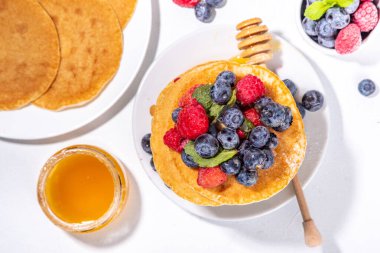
(253, 116)
(187, 98)
(241, 134)
(249, 89)
(348, 39)
(366, 16)
(192, 121)
(173, 139)
(211, 177)
(186, 3)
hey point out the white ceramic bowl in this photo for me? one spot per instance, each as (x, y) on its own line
(300, 10)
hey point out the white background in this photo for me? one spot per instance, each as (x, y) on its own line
(343, 196)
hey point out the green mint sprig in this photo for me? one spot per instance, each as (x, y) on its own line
(317, 9)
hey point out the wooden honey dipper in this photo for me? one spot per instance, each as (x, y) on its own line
(255, 43)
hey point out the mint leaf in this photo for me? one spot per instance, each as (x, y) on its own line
(344, 3)
(316, 10)
(223, 156)
(202, 95)
(216, 109)
(247, 126)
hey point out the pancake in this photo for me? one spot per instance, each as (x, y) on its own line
(91, 48)
(288, 155)
(124, 10)
(172, 177)
(29, 52)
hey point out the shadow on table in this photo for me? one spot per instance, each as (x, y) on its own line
(329, 194)
(124, 100)
(123, 226)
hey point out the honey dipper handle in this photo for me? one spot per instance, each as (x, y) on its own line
(312, 236)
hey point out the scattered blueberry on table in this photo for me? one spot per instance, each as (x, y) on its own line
(204, 9)
(367, 87)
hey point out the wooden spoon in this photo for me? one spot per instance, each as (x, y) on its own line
(254, 41)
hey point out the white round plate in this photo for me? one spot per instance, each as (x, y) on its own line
(216, 43)
(32, 122)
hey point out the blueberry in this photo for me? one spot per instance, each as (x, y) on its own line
(259, 136)
(301, 109)
(253, 158)
(152, 164)
(233, 118)
(228, 138)
(312, 100)
(175, 114)
(269, 159)
(216, 3)
(353, 7)
(328, 42)
(338, 18)
(204, 12)
(309, 26)
(272, 142)
(232, 166)
(206, 146)
(221, 92)
(247, 177)
(261, 102)
(291, 86)
(272, 115)
(227, 77)
(325, 29)
(367, 87)
(213, 130)
(287, 121)
(188, 160)
(145, 143)
(244, 147)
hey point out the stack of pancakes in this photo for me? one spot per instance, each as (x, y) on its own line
(289, 153)
(58, 54)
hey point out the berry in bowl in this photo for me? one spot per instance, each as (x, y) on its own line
(338, 27)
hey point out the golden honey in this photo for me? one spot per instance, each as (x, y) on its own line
(82, 188)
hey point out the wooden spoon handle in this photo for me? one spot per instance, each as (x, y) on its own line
(313, 237)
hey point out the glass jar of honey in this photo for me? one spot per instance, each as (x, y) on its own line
(82, 188)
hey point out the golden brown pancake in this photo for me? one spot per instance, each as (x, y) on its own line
(29, 52)
(172, 177)
(91, 48)
(288, 155)
(124, 10)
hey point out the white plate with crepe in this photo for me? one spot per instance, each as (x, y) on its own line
(32, 122)
(218, 43)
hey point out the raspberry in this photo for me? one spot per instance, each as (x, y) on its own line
(211, 177)
(253, 116)
(348, 39)
(192, 121)
(186, 3)
(173, 139)
(187, 98)
(241, 134)
(249, 89)
(366, 16)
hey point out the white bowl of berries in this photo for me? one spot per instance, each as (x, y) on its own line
(338, 27)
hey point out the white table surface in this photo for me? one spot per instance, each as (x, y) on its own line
(343, 196)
